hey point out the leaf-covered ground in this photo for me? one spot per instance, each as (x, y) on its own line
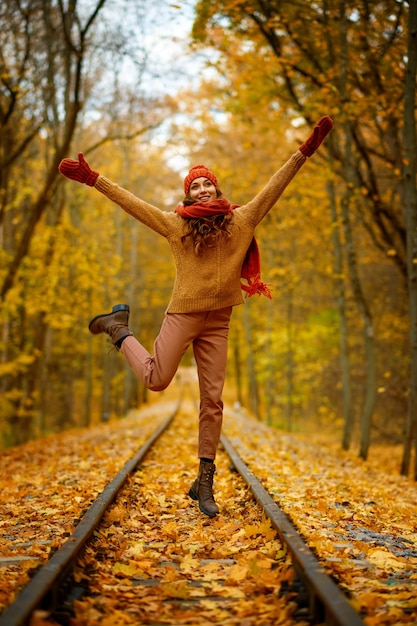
(359, 517)
(47, 485)
(158, 560)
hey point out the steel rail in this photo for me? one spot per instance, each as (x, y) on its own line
(327, 603)
(44, 584)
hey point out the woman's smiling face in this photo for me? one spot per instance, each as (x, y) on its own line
(202, 189)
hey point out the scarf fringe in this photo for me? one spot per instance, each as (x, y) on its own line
(256, 286)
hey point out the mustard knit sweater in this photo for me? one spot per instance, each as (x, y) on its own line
(210, 280)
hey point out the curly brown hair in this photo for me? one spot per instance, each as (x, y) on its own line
(205, 231)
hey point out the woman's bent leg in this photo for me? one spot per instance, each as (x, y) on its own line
(176, 334)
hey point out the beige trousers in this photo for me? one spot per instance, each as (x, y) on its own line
(208, 333)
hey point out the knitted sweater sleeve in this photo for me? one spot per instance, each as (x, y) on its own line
(258, 207)
(159, 221)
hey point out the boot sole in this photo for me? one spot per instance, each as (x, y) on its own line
(117, 307)
(194, 496)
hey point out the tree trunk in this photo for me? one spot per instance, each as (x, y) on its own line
(352, 179)
(271, 375)
(369, 341)
(253, 384)
(238, 370)
(410, 169)
(337, 247)
(289, 408)
(106, 405)
(88, 380)
(131, 385)
(343, 332)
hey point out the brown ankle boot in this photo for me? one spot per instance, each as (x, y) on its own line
(202, 489)
(114, 324)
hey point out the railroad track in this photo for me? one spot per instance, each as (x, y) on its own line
(166, 560)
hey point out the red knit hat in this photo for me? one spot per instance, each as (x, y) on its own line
(196, 172)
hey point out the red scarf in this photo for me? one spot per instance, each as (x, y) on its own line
(251, 268)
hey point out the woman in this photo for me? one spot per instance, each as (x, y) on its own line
(213, 247)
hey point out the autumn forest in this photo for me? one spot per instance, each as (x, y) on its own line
(336, 347)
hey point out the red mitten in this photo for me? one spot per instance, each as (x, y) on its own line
(320, 132)
(78, 170)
